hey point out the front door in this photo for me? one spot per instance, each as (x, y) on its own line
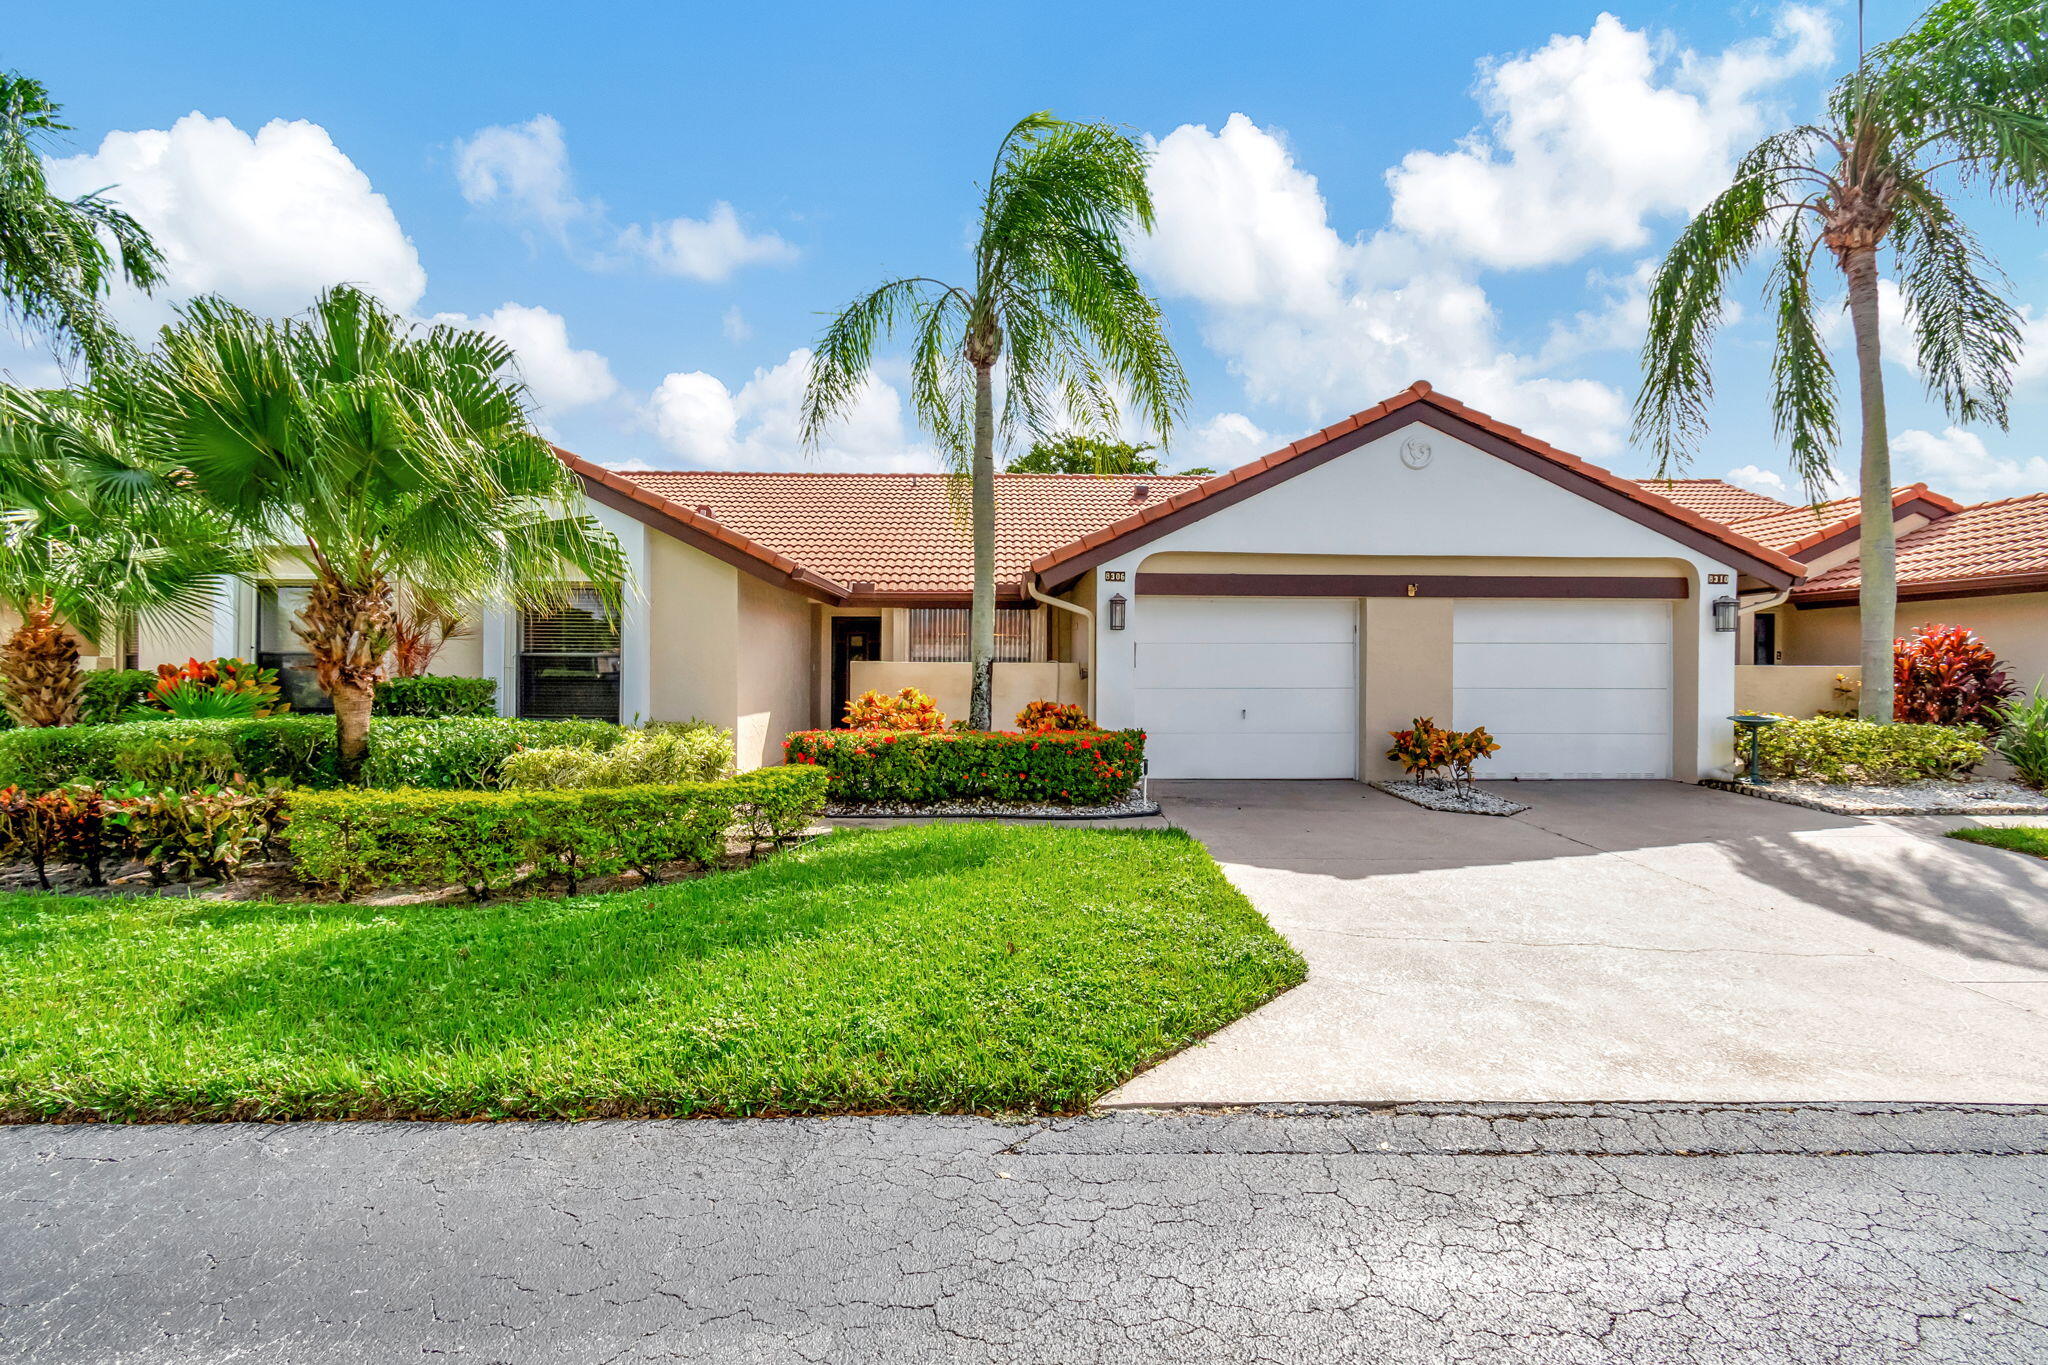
(853, 637)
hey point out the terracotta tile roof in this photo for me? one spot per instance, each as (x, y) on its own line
(903, 533)
(1419, 392)
(1978, 546)
(1717, 499)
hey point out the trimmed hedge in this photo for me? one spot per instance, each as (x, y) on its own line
(296, 749)
(465, 753)
(360, 840)
(436, 696)
(652, 757)
(868, 767)
(1835, 749)
(405, 751)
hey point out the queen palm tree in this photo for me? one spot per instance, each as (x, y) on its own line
(1961, 98)
(375, 452)
(55, 265)
(1053, 299)
(94, 537)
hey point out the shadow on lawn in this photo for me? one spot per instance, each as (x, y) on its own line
(479, 976)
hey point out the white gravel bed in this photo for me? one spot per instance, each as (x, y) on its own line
(1932, 796)
(1434, 795)
(1134, 804)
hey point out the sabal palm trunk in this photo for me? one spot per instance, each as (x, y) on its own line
(347, 628)
(39, 670)
(1878, 544)
(981, 623)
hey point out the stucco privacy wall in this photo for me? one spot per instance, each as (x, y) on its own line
(1463, 505)
(692, 656)
(949, 684)
(2014, 625)
(774, 683)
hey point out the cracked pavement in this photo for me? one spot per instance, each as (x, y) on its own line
(1557, 1234)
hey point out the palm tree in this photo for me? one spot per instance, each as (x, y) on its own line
(94, 538)
(55, 266)
(375, 452)
(1053, 298)
(1964, 93)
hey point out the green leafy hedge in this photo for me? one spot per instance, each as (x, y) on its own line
(670, 753)
(405, 751)
(1835, 749)
(362, 840)
(436, 696)
(868, 767)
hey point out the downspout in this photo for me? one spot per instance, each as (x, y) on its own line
(1087, 634)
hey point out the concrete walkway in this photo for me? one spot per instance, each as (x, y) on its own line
(1619, 941)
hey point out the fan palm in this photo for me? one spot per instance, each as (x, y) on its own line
(93, 538)
(375, 452)
(55, 265)
(1053, 299)
(1964, 93)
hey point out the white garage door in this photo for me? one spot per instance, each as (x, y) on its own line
(1570, 689)
(1248, 686)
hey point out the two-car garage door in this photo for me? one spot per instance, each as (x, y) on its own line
(1250, 687)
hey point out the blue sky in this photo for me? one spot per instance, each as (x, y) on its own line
(657, 203)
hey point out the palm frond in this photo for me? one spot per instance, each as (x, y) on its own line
(1803, 391)
(1967, 332)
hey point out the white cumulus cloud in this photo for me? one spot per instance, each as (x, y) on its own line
(1757, 479)
(268, 219)
(707, 424)
(1324, 324)
(704, 248)
(1957, 462)
(523, 168)
(558, 375)
(1589, 136)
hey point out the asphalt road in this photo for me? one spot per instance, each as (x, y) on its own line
(1497, 1234)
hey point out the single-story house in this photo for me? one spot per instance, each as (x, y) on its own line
(1983, 565)
(1418, 558)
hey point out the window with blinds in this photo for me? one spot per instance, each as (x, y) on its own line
(569, 661)
(577, 627)
(938, 635)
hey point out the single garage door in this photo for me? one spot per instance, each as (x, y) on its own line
(1248, 686)
(1569, 689)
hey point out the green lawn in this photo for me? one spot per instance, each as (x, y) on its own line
(2020, 838)
(942, 969)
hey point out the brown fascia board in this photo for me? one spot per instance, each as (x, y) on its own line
(1008, 594)
(699, 532)
(1409, 585)
(1990, 585)
(1062, 567)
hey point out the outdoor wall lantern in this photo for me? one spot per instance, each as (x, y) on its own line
(1725, 609)
(1118, 607)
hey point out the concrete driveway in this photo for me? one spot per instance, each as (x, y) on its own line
(1619, 941)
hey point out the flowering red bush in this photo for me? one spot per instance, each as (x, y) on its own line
(908, 710)
(1041, 716)
(873, 767)
(1946, 675)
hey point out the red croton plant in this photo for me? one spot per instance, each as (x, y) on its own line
(1947, 675)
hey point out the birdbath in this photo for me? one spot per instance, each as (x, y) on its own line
(1754, 727)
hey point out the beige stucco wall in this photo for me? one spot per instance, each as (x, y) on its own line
(694, 605)
(774, 682)
(1792, 689)
(2015, 625)
(1016, 685)
(1406, 673)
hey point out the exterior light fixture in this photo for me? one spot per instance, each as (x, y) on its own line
(1725, 609)
(1118, 610)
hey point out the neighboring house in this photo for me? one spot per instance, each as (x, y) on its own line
(1984, 566)
(1416, 559)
